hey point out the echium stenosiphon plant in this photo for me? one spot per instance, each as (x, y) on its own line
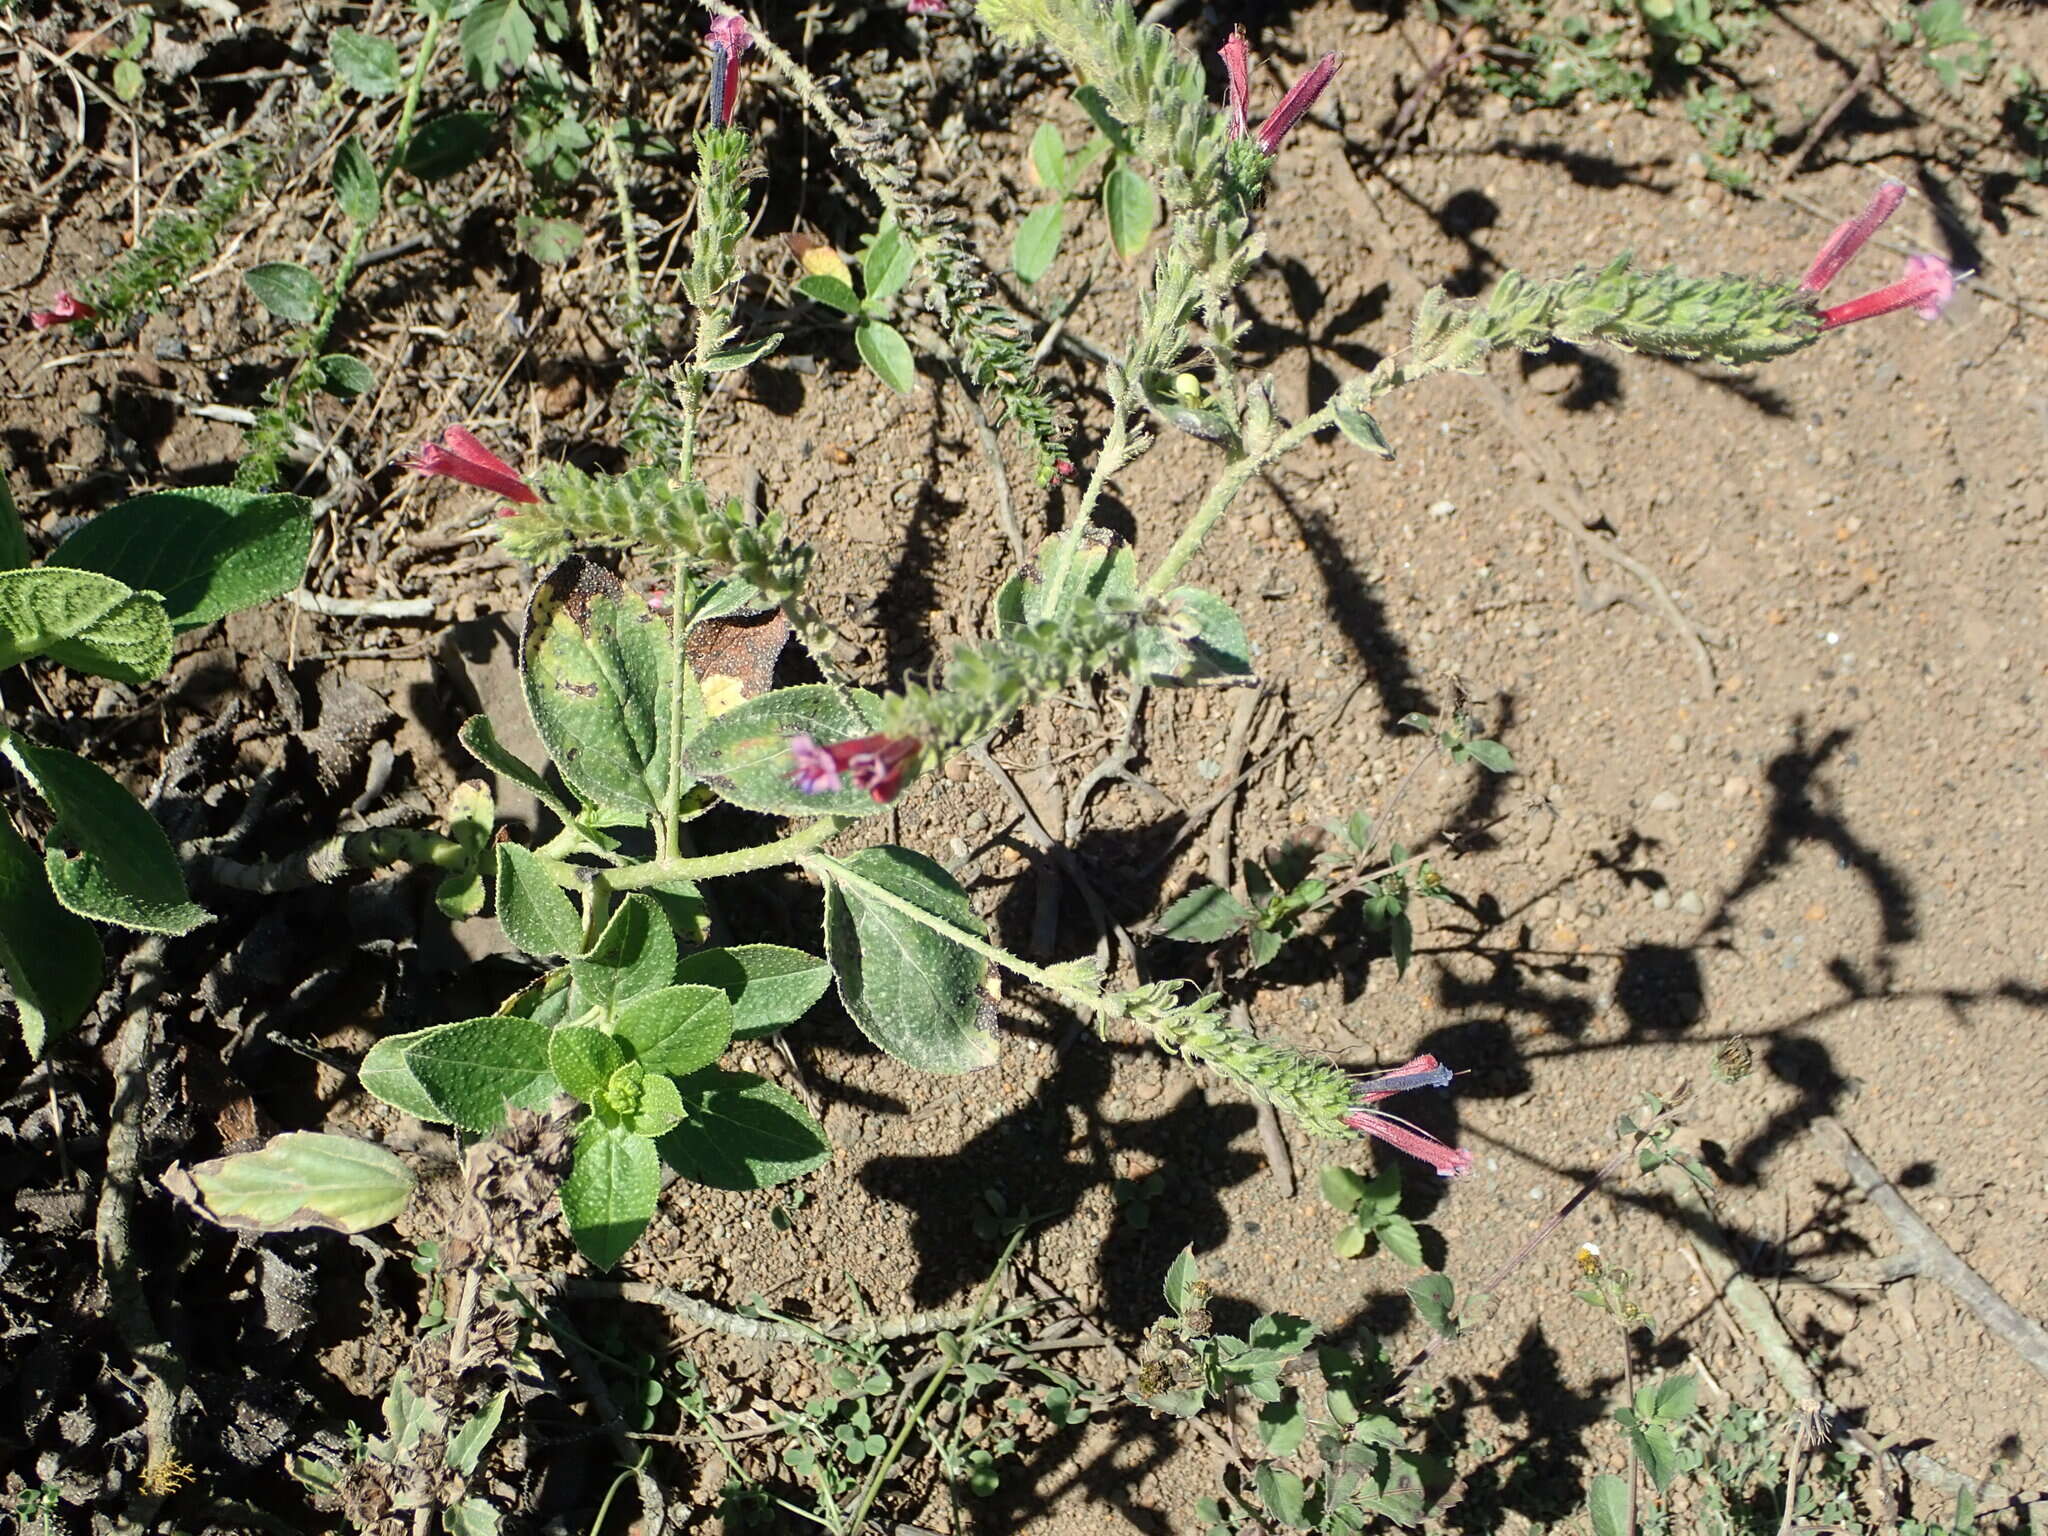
(652, 713)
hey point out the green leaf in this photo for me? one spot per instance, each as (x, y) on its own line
(13, 535)
(209, 549)
(914, 992)
(345, 377)
(1362, 430)
(383, 1072)
(1132, 209)
(1102, 575)
(1350, 1242)
(535, 913)
(677, 1030)
(289, 291)
(304, 1179)
(368, 64)
(1490, 754)
(596, 666)
(658, 1110)
(467, 1445)
(1658, 1453)
(744, 753)
(471, 1517)
(408, 1416)
(551, 242)
(88, 622)
(1179, 1284)
(583, 1060)
(481, 739)
(355, 182)
(1341, 1187)
(769, 986)
(744, 356)
(1435, 1298)
(636, 953)
(1261, 945)
(127, 80)
(124, 871)
(1676, 1398)
(1201, 639)
(1203, 916)
(741, 1132)
(887, 263)
(1106, 122)
(1284, 1495)
(609, 1195)
(884, 350)
(1037, 241)
(449, 144)
(470, 1071)
(52, 957)
(497, 38)
(1403, 1240)
(1607, 1500)
(826, 289)
(1049, 160)
(1283, 1425)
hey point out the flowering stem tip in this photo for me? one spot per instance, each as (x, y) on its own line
(64, 305)
(729, 41)
(1237, 69)
(1927, 286)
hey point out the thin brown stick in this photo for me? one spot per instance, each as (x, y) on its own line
(1871, 72)
(1927, 1254)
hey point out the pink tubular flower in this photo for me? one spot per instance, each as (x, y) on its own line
(729, 40)
(460, 456)
(1295, 104)
(64, 305)
(1423, 1072)
(1237, 67)
(929, 8)
(1928, 285)
(872, 763)
(1840, 248)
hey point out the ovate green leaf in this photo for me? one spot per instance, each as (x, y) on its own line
(289, 291)
(609, 1196)
(52, 957)
(304, 1179)
(741, 1132)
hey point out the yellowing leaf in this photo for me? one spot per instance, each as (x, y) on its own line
(824, 261)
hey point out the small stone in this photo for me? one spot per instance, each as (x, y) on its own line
(977, 821)
(1661, 899)
(1665, 801)
(1677, 743)
(1442, 508)
(1734, 787)
(1689, 902)
(1544, 906)
(958, 770)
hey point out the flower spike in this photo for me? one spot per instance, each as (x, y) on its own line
(1423, 1072)
(459, 456)
(1928, 285)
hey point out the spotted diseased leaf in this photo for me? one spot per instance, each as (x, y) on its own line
(1436, 1299)
(123, 871)
(551, 242)
(303, 1179)
(741, 1132)
(596, 665)
(914, 992)
(497, 39)
(209, 549)
(83, 620)
(609, 1195)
